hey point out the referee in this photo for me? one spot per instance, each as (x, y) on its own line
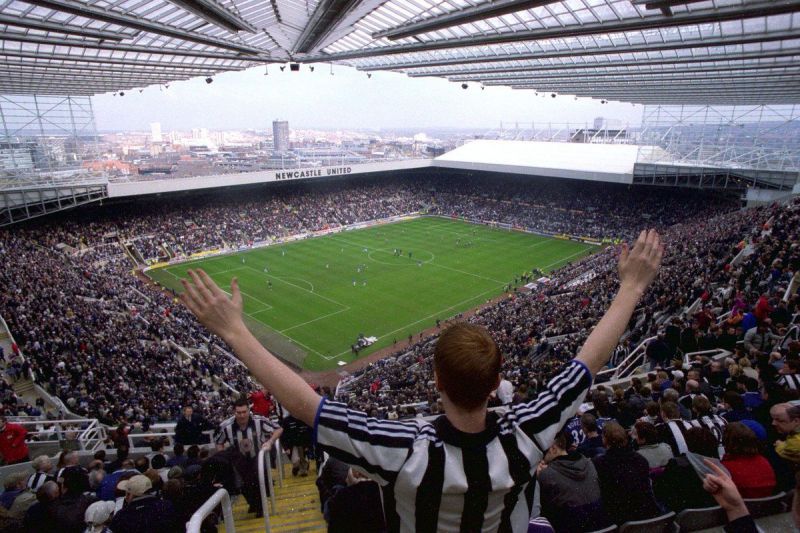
(470, 469)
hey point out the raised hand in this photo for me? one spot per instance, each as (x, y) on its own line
(638, 266)
(220, 313)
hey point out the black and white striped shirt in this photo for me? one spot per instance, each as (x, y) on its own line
(437, 478)
(715, 423)
(37, 479)
(258, 430)
(673, 432)
(790, 381)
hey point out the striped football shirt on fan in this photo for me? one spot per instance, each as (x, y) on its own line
(437, 478)
(673, 433)
(790, 381)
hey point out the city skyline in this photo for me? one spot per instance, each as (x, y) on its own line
(347, 100)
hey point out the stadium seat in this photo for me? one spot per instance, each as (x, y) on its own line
(770, 505)
(696, 519)
(660, 524)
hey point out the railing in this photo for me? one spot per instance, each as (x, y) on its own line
(279, 461)
(221, 497)
(262, 487)
(629, 364)
(93, 437)
(89, 434)
(793, 284)
(169, 431)
(792, 335)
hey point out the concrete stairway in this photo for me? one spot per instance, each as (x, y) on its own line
(298, 507)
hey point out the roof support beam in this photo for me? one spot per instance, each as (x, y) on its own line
(215, 14)
(600, 77)
(37, 39)
(114, 80)
(600, 64)
(657, 87)
(39, 69)
(724, 40)
(130, 21)
(760, 8)
(107, 60)
(325, 18)
(66, 29)
(469, 14)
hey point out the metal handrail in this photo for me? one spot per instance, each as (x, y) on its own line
(221, 497)
(279, 461)
(629, 361)
(262, 488)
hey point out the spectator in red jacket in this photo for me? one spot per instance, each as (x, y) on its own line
(751, 472)
(13, 447)
(262, 405)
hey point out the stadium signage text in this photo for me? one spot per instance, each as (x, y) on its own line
(312, 173)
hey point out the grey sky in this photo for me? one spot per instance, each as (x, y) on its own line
(348, 99)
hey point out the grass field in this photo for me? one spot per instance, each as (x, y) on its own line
(309, 300)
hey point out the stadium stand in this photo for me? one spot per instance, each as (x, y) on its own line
(81, 319)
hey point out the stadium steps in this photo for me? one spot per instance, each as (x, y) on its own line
(298, 507)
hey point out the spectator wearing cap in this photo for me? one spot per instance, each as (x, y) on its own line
(570, 489)
(98, 517)
(108, 487)
(751, 472)
(13, 447)
(144, 512)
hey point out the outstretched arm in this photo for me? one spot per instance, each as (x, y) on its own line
(222, 315)
(637, 269)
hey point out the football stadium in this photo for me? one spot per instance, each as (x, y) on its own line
(585, 320)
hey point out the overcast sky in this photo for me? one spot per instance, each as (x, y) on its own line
(348, 99)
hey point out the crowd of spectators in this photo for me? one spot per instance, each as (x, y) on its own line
(111, 345)
(71, 312)
(157, 493)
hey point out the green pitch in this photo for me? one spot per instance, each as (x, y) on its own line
(309, 300)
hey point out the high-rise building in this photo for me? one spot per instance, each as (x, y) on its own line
(280, 135)
(155, 132)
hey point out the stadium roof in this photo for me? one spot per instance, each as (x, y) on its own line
(582, 161)
(646, 51)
